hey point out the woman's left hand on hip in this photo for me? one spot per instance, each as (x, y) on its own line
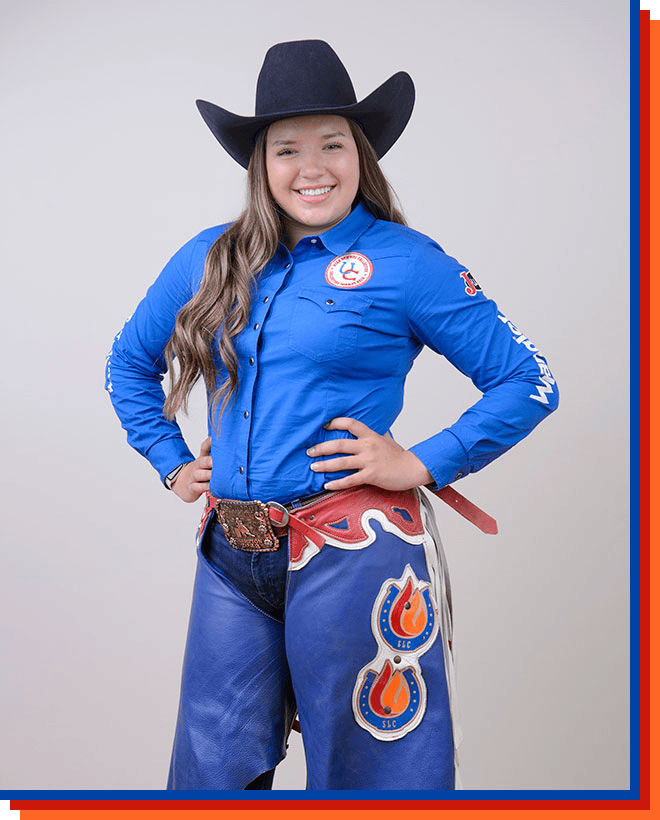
(376, 459)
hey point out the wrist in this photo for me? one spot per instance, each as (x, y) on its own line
(418, 471)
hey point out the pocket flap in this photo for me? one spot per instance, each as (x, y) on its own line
(330, 301)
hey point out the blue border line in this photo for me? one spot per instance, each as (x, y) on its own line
(623, 796)
(634, 394)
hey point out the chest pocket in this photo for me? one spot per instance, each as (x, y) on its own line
(325, 325)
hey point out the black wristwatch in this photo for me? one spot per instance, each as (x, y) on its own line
(169, 478)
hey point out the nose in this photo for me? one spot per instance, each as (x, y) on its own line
(311, 166)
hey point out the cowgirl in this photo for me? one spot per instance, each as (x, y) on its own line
(321, 585)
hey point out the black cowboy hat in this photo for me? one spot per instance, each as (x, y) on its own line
(307, 77)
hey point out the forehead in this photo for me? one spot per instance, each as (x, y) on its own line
(315, 126)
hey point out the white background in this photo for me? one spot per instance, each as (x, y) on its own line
(516, 161)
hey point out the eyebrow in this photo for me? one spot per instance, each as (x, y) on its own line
(324, 137)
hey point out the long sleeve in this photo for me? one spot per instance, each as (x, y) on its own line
(135, 364)
(448, 312)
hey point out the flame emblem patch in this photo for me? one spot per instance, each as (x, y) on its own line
(406, 618)
(389, 698)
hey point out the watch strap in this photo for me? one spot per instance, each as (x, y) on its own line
(169, 478)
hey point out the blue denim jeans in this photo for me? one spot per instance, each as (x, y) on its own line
(261, 577)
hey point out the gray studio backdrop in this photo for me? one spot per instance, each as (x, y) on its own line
(516, 161)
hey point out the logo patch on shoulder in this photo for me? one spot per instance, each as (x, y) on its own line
(349, 271)
(471, 286)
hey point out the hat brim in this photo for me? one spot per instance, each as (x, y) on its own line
(382, 116)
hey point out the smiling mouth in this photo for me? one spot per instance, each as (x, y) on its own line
(315, 191)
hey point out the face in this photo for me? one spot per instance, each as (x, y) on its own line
(313, 172)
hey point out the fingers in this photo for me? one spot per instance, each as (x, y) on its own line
(199, 476)
(353, 447)
(336, 445)
(342, 445)
(335, 465)
(357, 428)
(203, 463)
(198, 489)
(370, 457)
(194, 478)
(345, 483)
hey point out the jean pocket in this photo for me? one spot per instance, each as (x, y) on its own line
(325, 324)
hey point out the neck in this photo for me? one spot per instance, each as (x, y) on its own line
(293, 233)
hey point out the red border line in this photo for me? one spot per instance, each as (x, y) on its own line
(645, 404)
(320, 805)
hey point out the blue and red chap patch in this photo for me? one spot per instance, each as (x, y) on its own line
(389, 698)
(349, 271)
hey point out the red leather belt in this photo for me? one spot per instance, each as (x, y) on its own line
(486, 523)
(255, 526)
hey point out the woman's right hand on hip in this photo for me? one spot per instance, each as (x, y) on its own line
(194, 477)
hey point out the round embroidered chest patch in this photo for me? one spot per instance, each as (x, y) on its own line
(349, 271)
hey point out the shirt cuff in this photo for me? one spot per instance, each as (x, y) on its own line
(444, 457)
(167, 454)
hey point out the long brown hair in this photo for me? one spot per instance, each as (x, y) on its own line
(232, 264)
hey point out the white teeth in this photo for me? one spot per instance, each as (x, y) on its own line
(314, 191)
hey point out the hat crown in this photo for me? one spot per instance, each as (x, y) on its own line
(302, 75)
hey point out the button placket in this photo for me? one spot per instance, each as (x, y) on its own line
(245, 397)
(258, 319)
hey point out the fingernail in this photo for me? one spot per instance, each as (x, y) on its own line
(326, 426)
(310, 452)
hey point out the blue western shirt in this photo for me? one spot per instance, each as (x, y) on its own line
(328, 337)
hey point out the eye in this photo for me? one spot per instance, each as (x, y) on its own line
(332, 146)
(284, 152)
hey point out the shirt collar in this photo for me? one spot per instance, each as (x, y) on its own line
(343, 236)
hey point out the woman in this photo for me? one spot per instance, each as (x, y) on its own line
(321, 585)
